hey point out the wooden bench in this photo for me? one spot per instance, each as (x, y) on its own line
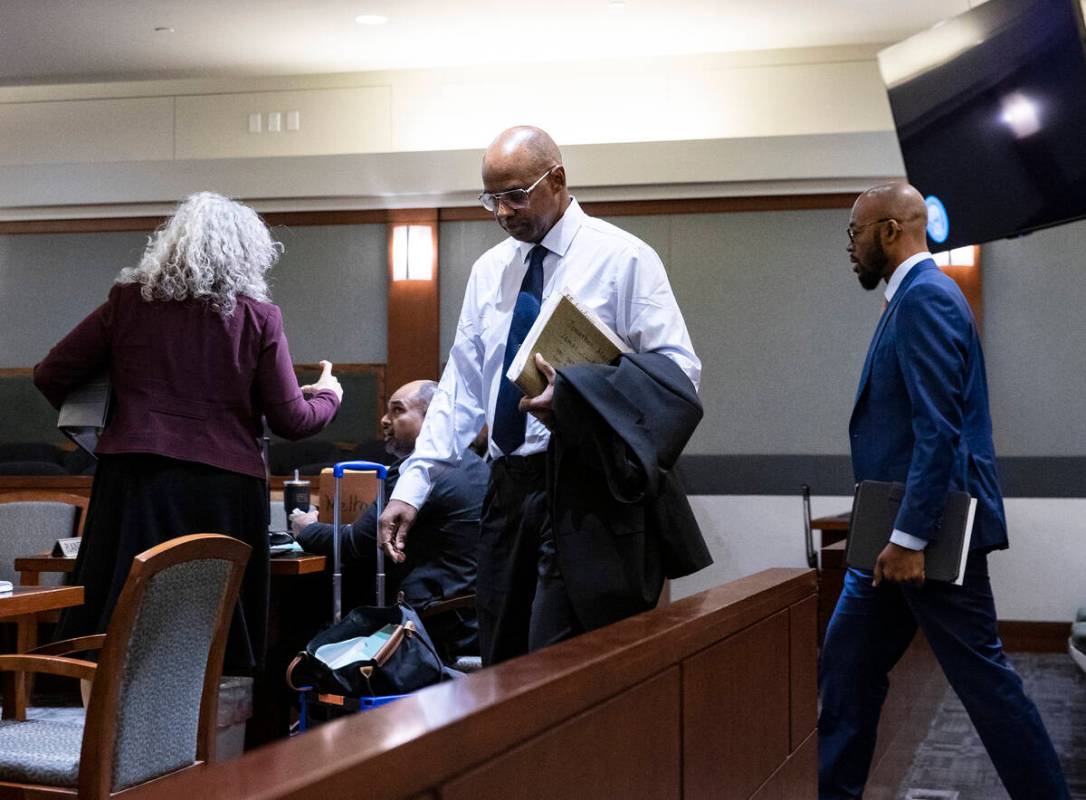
(713, 696)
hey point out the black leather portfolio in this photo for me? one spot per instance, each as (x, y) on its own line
(874, 510)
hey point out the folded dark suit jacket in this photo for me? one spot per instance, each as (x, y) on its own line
(622, 521)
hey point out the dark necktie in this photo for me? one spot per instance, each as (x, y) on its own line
(509, 422)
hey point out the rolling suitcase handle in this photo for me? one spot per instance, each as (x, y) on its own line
(337, 576)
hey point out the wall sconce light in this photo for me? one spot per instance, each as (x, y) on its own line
(412, 252)
(958, 257)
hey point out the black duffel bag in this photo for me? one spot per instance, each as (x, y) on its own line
(406, 660)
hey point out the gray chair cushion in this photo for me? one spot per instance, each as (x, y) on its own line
(163, 677)
(40, 751)
(27, 528)
(1078, 636)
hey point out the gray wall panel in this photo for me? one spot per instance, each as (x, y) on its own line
(1035, 341)
(50, 282)
(332, 284)
(780, 324)
(460, 244)
(774, 312)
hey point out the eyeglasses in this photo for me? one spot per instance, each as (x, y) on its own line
(515, 199)
(853, 230)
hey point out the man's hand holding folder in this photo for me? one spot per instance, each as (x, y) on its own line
(898, 564)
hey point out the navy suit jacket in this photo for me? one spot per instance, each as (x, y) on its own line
(921, 412)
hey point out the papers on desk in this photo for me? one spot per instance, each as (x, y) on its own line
(6, 586)
(282, 542)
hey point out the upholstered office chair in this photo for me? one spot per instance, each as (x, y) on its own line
(152, 707)
(31, 521)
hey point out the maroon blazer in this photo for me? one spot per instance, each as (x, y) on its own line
(188, 383)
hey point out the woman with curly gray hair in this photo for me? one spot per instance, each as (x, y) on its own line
(196, 357)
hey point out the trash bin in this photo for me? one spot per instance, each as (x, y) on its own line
(235, 708)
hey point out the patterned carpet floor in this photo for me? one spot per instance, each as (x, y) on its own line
(951, 763)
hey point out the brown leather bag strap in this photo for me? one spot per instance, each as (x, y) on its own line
(290, 673)
(393, 643)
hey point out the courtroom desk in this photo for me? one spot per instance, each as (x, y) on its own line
(75, 484)
(22, 605)
(287, 564)
(712, 696)
(831, 579)
(834, 528)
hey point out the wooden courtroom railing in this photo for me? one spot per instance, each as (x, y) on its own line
(712, 696)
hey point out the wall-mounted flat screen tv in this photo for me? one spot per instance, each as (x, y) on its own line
(990, 110)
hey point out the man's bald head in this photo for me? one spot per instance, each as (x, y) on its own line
(522, 146)
(403, 420)
(418, 392)
(517, 159)
(898, 201)
(887, 226)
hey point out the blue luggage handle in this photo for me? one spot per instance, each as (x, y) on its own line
(337, 575)
(361, 466)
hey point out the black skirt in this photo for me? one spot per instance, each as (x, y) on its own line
(139, 501)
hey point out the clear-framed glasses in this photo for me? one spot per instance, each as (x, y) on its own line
(515, 199)
(853, 230)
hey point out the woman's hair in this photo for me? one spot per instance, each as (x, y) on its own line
(211, 248)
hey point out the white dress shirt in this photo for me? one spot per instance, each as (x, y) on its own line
(608, 270)
(899, 537)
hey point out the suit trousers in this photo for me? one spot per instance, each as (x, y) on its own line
(520, 595)
(870, 630)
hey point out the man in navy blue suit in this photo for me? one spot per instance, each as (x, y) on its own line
(921, 418)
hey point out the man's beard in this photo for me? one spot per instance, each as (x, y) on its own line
(871, 273)
(869, 280)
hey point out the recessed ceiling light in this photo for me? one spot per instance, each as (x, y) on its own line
(616, 4)
(163, 29)
(370, 19)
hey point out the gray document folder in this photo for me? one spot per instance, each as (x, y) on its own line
(874, 510)
(84, 412)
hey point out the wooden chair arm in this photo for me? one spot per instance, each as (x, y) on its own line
(49, 665)
(78, 645)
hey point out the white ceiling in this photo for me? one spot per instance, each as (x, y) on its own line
(64, 41)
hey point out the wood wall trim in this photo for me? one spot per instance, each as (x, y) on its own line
(377, 216)
(96, 225)
(413, 310)
(691, 205)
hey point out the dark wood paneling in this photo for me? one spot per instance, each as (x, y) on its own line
(413, 310)
(436, 735)
(617, 208)
(76, 484)
(1027, 636)
(96, 225)
(635, 734)
(728, 753)
(691, 205)
(917, 688)
(797, 779)
(803, 660)
(831, 581)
